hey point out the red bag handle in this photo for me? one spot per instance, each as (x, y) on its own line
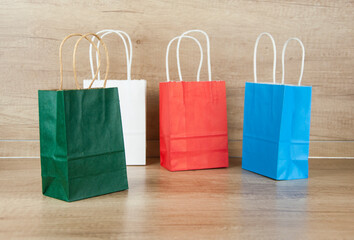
(178, 63)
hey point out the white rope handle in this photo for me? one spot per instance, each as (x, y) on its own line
(302, 61)
(208, 51)
(178, 63)
(129, 53)
(255, 56)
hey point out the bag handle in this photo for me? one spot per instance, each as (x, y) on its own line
(129, 53)
(107, 58)
(178, 63)
(208, 51)
(255, 56)
(74, 66)
(302, 61)
(61, 59)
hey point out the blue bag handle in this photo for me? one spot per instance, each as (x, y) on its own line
(302, 61)
(255, 56)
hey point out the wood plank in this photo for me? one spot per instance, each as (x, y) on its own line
(208, 204)
(30, 40)
(322, 149)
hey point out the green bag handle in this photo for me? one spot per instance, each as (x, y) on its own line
(98, 70)
(74, 58)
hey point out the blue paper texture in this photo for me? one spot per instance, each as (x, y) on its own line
(276, 130)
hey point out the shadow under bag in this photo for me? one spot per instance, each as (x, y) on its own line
(193, 122)
(81, 141)
(276, 127)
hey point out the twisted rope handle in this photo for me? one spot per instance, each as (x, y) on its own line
(302, 60)
(208, 50)
(178, 63)
(129, 52)
(255, 56)
(107, 57)
(74, 58)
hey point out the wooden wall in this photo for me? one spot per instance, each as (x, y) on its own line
(31, 32)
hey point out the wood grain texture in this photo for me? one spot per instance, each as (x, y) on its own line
(318, 149)
(31, 32)
(209, 204)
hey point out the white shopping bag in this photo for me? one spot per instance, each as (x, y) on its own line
(132, 98)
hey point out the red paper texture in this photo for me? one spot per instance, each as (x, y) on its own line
(193, 125)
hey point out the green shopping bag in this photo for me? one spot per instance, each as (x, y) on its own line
(81, 139)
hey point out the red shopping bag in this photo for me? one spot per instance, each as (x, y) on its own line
(193, 122)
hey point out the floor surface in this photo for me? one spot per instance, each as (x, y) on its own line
(207, 204)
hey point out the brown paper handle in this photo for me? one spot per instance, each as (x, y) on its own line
(74, 66)
(99, 60)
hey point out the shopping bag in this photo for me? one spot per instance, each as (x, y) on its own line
(193, 121)
(81, 140)
(276, 126)
(132, 96)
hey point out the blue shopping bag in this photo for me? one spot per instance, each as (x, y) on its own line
(276, 127)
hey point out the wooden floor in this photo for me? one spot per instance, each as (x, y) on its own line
(206, 204)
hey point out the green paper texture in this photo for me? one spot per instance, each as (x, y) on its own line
(81, 142)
